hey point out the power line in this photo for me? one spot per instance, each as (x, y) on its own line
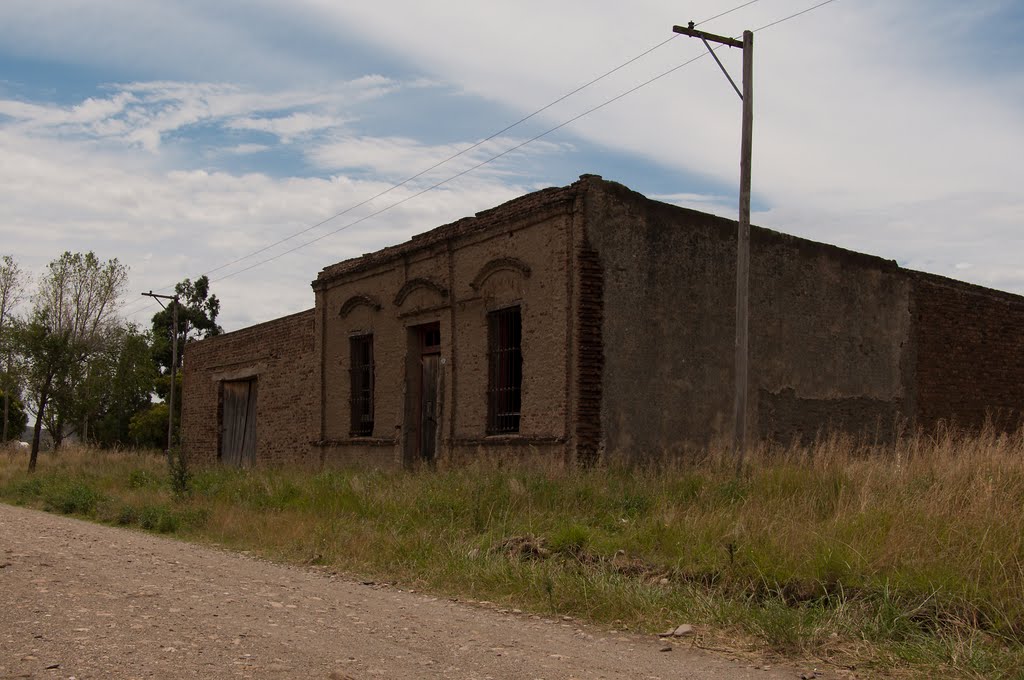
(477, 144)
(496, 156)
(793, 16)
(449, 158)
(441, 162)
(728, 11)
(467, 170)
(507, 151)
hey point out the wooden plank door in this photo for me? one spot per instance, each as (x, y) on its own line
(429, 364)
(238, 423)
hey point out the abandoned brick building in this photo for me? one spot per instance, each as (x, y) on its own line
(589, 321)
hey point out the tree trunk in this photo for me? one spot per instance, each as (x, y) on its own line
(7, 398)
(36, 431)
(38, 428)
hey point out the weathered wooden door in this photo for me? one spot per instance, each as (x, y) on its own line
(430, 364)
(423, 408)
(238, 423)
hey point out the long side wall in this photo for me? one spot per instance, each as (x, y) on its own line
(829, 330)
(280, 355)
(970, 354)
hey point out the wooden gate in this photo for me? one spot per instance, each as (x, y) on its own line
(238, 423)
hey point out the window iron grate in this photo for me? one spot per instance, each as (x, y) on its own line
(361, 380)
(505, 371)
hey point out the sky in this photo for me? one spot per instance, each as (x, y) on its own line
(258, 141)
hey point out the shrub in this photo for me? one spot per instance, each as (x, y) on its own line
(571, 539)
(141, 479)
(75, 498)
(21, 491)
(158, 518)
(127, 515)
(181, 478)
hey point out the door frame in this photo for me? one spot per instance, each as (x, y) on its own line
(424, 341)
(246, 456)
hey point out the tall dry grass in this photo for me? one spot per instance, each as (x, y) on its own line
(900, 556)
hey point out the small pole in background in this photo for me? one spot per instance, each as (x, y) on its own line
(174, 374)
(174, 366)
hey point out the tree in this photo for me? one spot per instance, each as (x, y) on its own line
(149, 428)
(12, 291)
(118, 381)
(197, 319)
(73, 314)
(15, 417)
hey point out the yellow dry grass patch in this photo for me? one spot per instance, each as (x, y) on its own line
(900, 558)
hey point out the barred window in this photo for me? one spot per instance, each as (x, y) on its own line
(361, 374)
(505, 370)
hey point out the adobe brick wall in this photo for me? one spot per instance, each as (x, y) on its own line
(970, 354)
(280, 355)
(515, 254)
(590, 353)
(830, 330)
(628, 335)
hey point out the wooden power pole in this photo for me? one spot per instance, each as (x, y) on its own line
(174, 365)
(174, 373)
(743, 228)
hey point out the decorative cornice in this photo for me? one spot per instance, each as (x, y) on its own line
(414, 284)
(500, 264)
(356, 301)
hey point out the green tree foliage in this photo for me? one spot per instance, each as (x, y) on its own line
(197, 318)
(17, 418)
(12, 290)
(119, 380)
(73, 318)
(148, 428)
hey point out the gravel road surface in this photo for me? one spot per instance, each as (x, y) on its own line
(80, 600)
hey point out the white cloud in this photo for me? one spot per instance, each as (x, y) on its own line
(245, 149)
(400, 157)
(864, 114)
(67, 192)
(143, 113)
(157, 36)
(872, 131)
(288, 127)
(725, 206)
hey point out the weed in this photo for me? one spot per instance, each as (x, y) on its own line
(72, 498)
(142, 479)
(22, 491)
(158, 518)
(571, 539)
(909, 555)
(127, 515)
(180, 477)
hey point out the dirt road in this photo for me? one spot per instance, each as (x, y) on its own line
(78, 600)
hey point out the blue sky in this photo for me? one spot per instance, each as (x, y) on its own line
(181, 135)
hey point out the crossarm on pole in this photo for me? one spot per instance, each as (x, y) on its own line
(722, 66)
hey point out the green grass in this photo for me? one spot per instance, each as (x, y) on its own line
(904, 560)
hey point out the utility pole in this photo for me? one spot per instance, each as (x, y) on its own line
(174, 365)
(743, 226)
(7, 396)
